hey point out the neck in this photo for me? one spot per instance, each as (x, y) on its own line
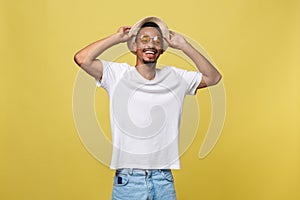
(147, 70)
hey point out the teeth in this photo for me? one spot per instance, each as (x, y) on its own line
(151, 52)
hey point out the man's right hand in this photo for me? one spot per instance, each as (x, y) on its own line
(123, 33)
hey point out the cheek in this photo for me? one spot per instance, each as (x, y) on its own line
(140, 46)
(134, 47)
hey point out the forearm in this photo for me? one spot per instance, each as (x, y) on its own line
(209, 72)
(88, 54)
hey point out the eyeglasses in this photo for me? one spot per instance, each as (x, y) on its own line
(146, 38)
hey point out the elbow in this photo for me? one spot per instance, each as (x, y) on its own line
(215, 80)
(79, 59)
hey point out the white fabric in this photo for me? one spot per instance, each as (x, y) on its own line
(145, 114)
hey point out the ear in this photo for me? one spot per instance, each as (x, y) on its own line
(134, 47)
(161, 51)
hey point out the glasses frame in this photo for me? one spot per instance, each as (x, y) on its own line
(157, 40)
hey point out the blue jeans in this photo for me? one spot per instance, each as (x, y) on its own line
(140, 184)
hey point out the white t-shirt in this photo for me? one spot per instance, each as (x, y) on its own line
(145, 114)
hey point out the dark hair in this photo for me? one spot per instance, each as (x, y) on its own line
(150, 24)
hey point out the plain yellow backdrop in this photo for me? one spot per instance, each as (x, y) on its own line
(255, 45)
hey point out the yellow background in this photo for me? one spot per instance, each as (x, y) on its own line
(254, 43)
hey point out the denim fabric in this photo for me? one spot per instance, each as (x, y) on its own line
(139, 184)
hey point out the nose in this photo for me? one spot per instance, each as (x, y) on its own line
(150, 44)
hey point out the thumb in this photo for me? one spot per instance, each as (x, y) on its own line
(168, 39)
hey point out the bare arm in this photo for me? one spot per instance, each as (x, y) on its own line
(210, 75)
(86, 58)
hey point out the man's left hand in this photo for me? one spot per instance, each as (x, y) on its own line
(176, 40)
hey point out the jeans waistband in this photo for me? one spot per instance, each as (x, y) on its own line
(140, 171)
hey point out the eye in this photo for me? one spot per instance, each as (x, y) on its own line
(145, 38)
(157, 40)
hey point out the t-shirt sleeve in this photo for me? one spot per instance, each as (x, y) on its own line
(111, 73)
(192, 79)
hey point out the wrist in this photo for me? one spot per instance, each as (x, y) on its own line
(117, 38)
(185, 46)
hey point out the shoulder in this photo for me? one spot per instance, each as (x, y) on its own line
(177, 71)
(187, 75)
(112, 72)
(115, 65)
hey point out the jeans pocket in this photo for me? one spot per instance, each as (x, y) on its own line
(167, 174)
(121, 179)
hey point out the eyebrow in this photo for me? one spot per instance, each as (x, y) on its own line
(150, 36)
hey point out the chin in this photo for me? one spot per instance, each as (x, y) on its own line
(149, 61)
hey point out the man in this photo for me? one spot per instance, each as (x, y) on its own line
(145, 105)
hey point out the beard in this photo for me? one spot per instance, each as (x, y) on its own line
(147, 62)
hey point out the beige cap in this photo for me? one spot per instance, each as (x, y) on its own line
(135, 28)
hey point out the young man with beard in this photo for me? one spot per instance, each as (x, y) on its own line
(145, 105)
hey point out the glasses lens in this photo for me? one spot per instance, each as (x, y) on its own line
(157, 40)
(145, 39)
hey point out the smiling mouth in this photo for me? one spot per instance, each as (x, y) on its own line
(150, 51)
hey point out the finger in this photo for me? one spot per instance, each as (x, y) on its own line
(172, 33)
(133, 34)
(124, 29)
(167, 39)
(127, 27)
